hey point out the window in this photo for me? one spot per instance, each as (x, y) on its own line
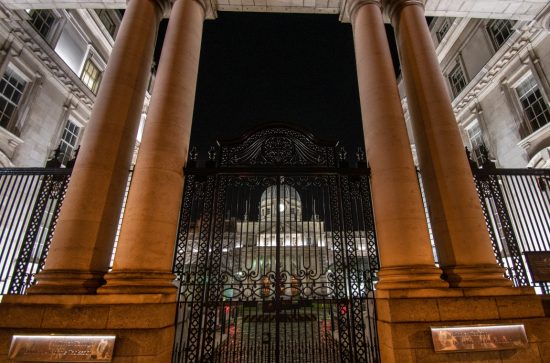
(91, 75)
(500, 30)
(475, 138)
(535, 108)
(457, 80)
(443, 29)
(42, 21)
(69, 142)
(107, 21)
(11, 92)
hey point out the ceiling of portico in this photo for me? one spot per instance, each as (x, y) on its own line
(513, 9)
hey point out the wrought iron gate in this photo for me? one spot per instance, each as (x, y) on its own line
(276, 254)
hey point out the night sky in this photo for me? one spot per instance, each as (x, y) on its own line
(257, 68)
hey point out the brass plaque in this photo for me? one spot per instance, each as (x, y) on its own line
(478, 338)
(539, 265)
(62, 348)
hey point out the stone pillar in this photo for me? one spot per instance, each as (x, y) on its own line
(405, 251)
(83, 241)
(143, 260)
(464, 248)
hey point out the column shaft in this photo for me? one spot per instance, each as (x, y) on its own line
(83, 241)
(464, 248)
(405, 252)
(143, 260)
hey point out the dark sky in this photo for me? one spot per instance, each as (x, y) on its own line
(257, 68)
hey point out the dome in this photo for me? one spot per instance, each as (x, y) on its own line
(285, 192)
(288, 203)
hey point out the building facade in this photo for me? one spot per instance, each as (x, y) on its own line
(135, 300)
(52, 65)
(497, 77)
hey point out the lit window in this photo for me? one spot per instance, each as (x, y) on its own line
(457, 80)
(91, 76)
(443, 29)
(42, 21)
(11, 92)
(499, 31)
(535, 108)
(69, 142)
(475, 138)
(107, 20)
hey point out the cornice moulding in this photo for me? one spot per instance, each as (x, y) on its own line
(47, 58)
(488, 77)
(349, 7)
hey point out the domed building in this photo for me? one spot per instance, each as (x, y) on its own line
(304, 250)
(289, 207)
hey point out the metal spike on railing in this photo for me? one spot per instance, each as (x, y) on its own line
(473, 164)
(70, 163)
(193, 154)
(54, 162)
(212, 153)
(360, 154)
(342, 154)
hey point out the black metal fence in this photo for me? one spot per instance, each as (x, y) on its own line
(30, 200)
(516, 206)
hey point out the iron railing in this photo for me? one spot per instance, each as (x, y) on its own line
(516, 206)
(30, 200)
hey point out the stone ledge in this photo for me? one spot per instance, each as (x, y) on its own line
(510, 307)
(113, 316)
(473, 308)
(89, 299)
(443, 309)
(418, 293)
(454, 292)
(407, 310)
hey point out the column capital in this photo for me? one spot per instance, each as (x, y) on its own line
(350, 7)
(209, 10)
(393, 7)
(163, 5)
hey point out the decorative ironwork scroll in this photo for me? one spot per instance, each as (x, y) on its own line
(277, 145)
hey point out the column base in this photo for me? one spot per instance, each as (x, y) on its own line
(476, 276)
(138, 282)
(404, 325)
(143, 324)
(410, 277)
(67, 282)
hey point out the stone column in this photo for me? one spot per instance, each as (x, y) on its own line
(405, 251)
(464, 248)
(83, 241)
(143, 260)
